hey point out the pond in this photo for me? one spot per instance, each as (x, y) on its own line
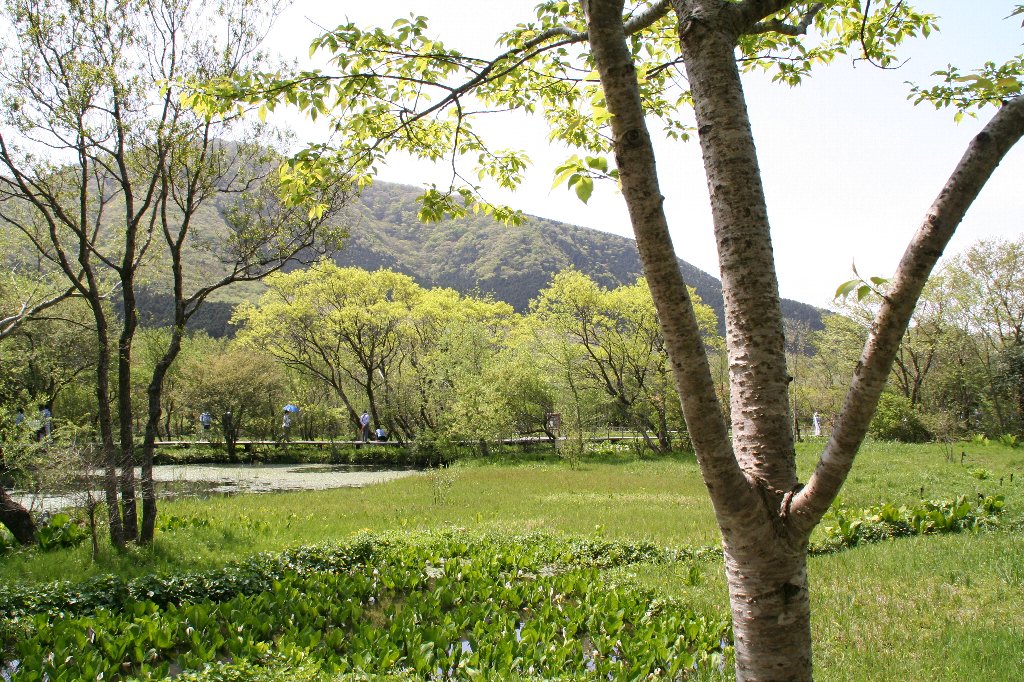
(178, 480)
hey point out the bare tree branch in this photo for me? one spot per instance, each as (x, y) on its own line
(10, 323)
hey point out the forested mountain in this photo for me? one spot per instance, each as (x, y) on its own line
(511, 263)
(478, 254)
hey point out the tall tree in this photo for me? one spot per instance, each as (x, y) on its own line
(234, 384)
(377, 339)
(343, 326)
(765, 513)
(986, 287)
(105, 171)
(621, 348)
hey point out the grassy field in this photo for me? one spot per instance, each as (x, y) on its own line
(923, 608)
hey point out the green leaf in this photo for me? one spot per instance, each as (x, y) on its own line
(562, 174)
(584, 188)
(1008, 84)
(846, 287)
(598, 163)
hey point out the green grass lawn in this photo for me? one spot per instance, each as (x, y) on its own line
(924, 608)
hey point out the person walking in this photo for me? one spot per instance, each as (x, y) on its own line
(206, 421)
(364, 426)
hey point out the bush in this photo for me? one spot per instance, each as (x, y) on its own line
(62, 531)
(6, 540)
(843, 527)
(896, 419)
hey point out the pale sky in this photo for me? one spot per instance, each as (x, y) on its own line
(850, 165)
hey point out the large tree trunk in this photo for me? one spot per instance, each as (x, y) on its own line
(17, 519)
(765, 515)
(748, 478)
(765, 559)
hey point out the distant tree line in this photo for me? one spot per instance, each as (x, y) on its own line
(436, 365)
(336, 341)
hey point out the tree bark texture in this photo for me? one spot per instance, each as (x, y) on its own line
(634, 156)
(759, 385)
(106, 420)
(764, 516)
(153, 412)
(748, 479)
(17, 519)
(126, 459)
(765, 559)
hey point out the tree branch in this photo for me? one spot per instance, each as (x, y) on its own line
(745, 15)
(983, 155)
(634, 155)
(10, 323)
(789, 29)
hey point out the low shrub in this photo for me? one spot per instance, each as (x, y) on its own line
(62, 531)
(844, 527)
(896, 419)
(1009, 440)
(7, 541)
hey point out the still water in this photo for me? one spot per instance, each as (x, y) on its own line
(176, 480)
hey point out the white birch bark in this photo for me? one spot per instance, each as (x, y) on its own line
(764, 516)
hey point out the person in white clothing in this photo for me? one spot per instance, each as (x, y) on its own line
(364, 426)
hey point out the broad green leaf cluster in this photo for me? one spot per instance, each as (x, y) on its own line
(396, 89)
(443, 606)
(990, 85)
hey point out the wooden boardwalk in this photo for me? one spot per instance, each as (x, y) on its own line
(248, 443)
(320, 444)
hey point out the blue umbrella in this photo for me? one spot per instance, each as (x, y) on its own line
(291, 408)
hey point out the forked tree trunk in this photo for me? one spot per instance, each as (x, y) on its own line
(749, 477)
(764, 515)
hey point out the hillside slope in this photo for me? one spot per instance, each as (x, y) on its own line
(474, 254)
(511, 263)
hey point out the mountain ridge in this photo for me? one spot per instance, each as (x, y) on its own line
(475, 254)
(610, 259)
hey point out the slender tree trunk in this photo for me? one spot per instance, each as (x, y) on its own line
(105, 422)
(229, 423)
(664, 434)
(129, 510)
(155, 393)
